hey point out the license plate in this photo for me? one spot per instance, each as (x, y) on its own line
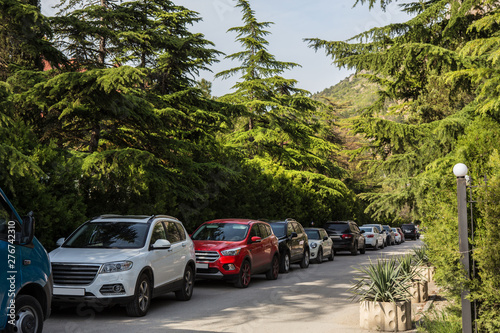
(335, 237)
(69, 291)
(201, 265)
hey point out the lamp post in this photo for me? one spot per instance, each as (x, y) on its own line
(460, 171)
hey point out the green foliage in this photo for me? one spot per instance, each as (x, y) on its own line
(485, 288)
(24, 34)
(440, 322)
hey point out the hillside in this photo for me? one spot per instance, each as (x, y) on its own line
(349, 96)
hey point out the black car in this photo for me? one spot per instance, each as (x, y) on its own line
(346, 236)
(293, 243)
(410, 231)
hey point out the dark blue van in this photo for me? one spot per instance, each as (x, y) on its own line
(26, 276)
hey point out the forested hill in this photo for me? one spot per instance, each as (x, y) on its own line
(350, 95)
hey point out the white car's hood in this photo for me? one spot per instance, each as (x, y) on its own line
(91, 256)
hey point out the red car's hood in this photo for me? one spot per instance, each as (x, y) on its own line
(214, 246)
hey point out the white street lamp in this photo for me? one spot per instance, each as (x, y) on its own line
(460, 170)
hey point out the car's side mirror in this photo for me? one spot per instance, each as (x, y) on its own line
(161, 244)
(255, 239)
(362, 231)
(325, 238)
(293, 235)
(60, 241)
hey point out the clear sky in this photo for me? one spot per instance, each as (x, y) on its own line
(293, 20)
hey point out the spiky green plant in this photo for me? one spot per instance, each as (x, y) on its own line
(421, 254)
(383, 281)
(409, 265)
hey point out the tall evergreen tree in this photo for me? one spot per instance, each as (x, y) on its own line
(278, 132)
(280, 122)
(24, 38)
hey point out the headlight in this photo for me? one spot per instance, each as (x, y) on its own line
(117, 266)
(231, 252)
(314, 245)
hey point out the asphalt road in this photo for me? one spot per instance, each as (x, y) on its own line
(315, 299)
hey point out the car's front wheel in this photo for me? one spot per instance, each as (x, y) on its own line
(186, 292)
(29, 316)
(319, 258)
(332, 255)
(245, 275)
(142, 297)
(305, 260)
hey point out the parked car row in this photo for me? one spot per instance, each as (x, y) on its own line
(128, 260)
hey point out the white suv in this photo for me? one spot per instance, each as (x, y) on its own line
(126, 260)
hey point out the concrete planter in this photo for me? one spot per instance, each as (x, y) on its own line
(427, 272)
(385, 316)
(419, 291)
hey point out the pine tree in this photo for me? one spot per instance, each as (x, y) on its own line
(24, 38)
(280, 122)
(279, 134)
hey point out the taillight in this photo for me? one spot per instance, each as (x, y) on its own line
(370, 236)
(346, 236)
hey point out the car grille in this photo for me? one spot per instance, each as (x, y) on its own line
(74, 274)
(207, 256)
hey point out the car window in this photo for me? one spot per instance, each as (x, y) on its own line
(269, 230)
(368, 229)
(173, 234)
(279, 229)
(255, 231)
(407, 227)
(298, 228)
(313, 234)
(221, 232)
(109, 235)
(323, 233)
(182, 232)
(338, 227)
(158, 232)
(263, 230)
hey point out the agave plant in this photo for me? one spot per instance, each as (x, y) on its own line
(421, 254)
(409, 266)
(383, 281)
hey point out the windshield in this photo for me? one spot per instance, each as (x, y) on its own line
(279, 229)
(121, 235)
(233, 232)
(366, 229)
(312, 234)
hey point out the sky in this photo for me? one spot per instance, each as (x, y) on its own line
(293, 20)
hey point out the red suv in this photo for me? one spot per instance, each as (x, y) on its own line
(234, 249)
